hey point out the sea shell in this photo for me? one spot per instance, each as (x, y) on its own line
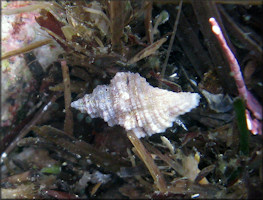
(131, 102)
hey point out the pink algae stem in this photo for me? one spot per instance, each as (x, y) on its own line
(251, 102)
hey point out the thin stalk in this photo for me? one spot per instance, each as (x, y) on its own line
(117, 24)
(240, 110)
(171, 40)
(26, 48)
(68, 123)
(148, 161)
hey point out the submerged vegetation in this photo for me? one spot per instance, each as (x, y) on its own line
(55, 52)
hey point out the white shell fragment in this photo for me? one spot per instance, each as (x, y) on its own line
(130, 101)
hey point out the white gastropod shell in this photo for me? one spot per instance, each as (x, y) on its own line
(130, 101)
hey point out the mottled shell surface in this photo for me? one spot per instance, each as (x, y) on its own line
(131, 102)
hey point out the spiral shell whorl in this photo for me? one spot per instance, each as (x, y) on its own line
(131, 102)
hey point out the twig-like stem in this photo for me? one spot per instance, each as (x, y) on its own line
(148, 21)
(26, 48)
(172, 39)
(39, 115)
(252, 104)
(138, 177)
(117, 24)
(148, 161)
(68, 124)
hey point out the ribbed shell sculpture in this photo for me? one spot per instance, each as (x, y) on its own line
(131, 102)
